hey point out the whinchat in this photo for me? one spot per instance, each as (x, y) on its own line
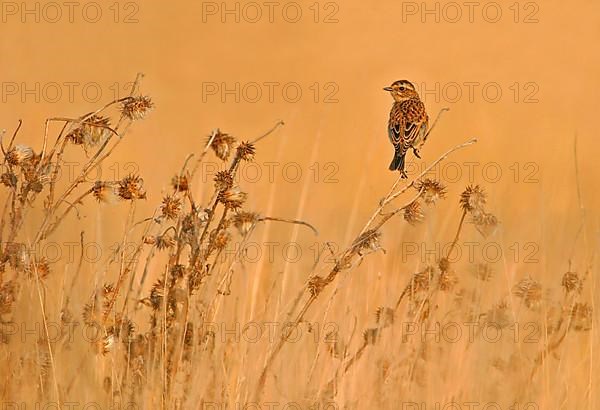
(407, 127)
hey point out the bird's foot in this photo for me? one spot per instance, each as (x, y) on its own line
(416, 152)
(403, 174)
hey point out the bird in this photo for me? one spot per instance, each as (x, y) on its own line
(408, 123)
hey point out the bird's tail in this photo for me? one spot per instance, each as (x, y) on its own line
(397, 163)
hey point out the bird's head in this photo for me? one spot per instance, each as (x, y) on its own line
(402, 90)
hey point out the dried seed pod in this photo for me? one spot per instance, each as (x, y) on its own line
(9, 179)
(473, 199)
(180, 183)
(222, 144)
(571, 282)
(171, 207)
(413, 213)
(136, 108)
(371, 335)
(530, 291)
(385, 316)
(105, 192)
(246, 151)
(223, 180)
(244, 221)
(367, 242)
(431, 190)
(581, 317)
(131, 188)
(19, 155)
(91, 133)
(232, 198)
(485, 223)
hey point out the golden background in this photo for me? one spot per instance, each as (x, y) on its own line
(528, 137)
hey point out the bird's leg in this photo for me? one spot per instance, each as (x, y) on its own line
(416, 152)
(403, 174)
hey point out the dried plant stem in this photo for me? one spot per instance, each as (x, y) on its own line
(123, 270)
(12, 140)
(272, 130)
(460, 226)
(72, 205)
(214, 201)
(46, 333)
(290, 221)
(96, 159)
(345, 258)
(437, 118)
(393, 195)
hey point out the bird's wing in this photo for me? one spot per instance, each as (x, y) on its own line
(406, 122)
(396, 126)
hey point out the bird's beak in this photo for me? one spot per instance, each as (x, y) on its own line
(387, 89)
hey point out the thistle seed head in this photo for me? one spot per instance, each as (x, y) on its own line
(19, 155)
(243, 221)
(131, 188)
(473, 199)
(171, 206)
(431, 190)
(136, 108)
(222, 144)
(232, 198)
(413, 214)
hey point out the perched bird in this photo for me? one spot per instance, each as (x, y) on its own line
(407, 127)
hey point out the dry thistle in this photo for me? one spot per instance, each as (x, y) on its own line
(499, 315)
(367, 242)
(156, 294)
(9, 179)
(105, 192)
(164, 241)
(105, 344)
(370, 336)
(136, 108)
(39, 267)
(473, 199)
(8, 295)
(222, 144)
(16, 255)
(91, 133)
(220, 239)
(177, 272)
(19, 155)
(571, 282)
(485, 223)
(444, 264)
(581, 317)
(130, 188)
(232, 198)
(483, 271)
(385, 317)
(246, 151)
(421, 281)
(171, 207)
(244, 221)
(413, 213)
(180, 183)
(447, 280)
(316, 284)
(90, 314)
(431, 189)
(223, 180)
(530, 291)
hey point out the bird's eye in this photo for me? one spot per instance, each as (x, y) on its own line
(402, 88)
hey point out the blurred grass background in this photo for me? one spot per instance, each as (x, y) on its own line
(370, 46)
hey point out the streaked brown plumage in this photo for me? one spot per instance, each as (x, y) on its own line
(407, 127)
